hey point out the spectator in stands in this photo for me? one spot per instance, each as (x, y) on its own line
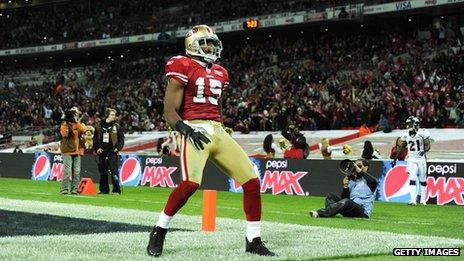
(72, 148)
(17, 150)
(358, 195)
(170, 147)
(272, 148)
(326, 149)
(91, 20)
(159, 146)
(369, 152)
(108, 141)
(343, 13)
(395, 148)
(268, 146)
(327, 92)
(384, 125)
(298, 148)
(364, 130)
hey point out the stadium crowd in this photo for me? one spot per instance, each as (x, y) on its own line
(329, 81)
(79, 20)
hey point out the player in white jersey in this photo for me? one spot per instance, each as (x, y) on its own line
(418, 143)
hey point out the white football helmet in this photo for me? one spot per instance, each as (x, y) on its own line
(197, 44)
(412, 124)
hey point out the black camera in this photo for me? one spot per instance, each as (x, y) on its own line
(347, 167)
(69, 116)
(165, 151)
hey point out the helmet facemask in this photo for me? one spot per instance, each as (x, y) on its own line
(207, 48)
(412, 124)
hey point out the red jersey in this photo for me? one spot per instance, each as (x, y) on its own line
(293, 153)
(202, 87)
(402, 156)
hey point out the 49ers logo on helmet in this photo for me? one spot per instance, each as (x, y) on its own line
(130, 172)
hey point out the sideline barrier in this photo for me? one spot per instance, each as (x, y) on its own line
(445, 181)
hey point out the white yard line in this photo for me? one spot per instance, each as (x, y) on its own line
(227, 243)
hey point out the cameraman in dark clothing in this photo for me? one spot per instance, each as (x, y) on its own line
(108, 140)
(358, 195)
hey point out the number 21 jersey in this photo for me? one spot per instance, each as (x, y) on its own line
(202, 87)
(416, 143)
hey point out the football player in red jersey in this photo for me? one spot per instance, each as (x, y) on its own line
(192, 105)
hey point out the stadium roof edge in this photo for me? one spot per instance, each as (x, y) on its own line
(267, 21)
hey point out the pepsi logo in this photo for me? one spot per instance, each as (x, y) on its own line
(131, 171)
(41, 168)
(234, 186)
(396, 182)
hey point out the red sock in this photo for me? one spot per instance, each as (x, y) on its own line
(252, 200)
(179, 197)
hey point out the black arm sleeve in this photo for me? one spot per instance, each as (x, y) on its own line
(371, 181)
(120, 143)
(345, 193)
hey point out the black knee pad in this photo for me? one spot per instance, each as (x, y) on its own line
(424, 184)
(412, 182)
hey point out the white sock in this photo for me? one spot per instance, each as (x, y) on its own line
(423, 193)
(163, 220)
(412, 193)
(253, 230)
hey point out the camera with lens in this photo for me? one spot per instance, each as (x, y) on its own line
(347, 167)
(69, 116)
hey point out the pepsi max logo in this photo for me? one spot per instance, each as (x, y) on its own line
(276, 164)
(153, 161)
(396, 183)
(130, 172)
(442, 169)
(41, 167)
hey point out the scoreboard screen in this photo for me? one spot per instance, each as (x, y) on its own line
(251, 24)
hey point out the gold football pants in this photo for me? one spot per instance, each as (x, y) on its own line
(223, 151)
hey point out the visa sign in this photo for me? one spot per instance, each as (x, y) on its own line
(403, 5)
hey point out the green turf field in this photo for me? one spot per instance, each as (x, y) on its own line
(36, 208)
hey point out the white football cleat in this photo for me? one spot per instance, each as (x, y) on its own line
(313, 214)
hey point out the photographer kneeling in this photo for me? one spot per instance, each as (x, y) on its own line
(358, 195)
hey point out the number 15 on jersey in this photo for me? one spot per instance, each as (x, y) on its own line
(215, 89)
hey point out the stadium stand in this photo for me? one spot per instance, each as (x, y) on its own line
(88, 20)
(313, 77)
(331, 81)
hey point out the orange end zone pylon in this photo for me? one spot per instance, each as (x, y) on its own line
(208, 222)
(86, 187)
